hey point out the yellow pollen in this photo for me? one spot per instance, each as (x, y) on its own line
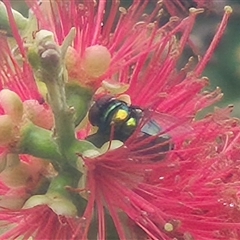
(228, 9)
(121, 115)
(168, 227)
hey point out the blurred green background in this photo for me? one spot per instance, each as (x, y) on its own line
(224, 68)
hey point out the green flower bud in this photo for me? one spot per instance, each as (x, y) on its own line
(6, 129)
(11, 104)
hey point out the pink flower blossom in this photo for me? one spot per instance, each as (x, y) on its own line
(128, 188)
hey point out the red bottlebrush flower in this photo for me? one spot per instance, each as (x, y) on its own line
(40, 220)
(192, 193)
(95, 29)
(188, 191)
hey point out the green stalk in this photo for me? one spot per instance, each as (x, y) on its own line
(68, 178)
(54, 75)
(69, 102)
(63, 115)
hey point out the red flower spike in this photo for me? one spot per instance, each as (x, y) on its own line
(190, 193)
(39, 222)
(124, 51)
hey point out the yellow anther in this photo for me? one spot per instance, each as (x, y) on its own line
(228, 9)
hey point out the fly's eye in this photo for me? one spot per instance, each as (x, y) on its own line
(120, 116)
(93, 115)
(98, 108)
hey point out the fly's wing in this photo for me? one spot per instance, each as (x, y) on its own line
(162, 124)
(156, 136)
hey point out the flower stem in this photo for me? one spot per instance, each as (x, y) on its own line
(67, 178)
(63, 115)
(53, 74)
